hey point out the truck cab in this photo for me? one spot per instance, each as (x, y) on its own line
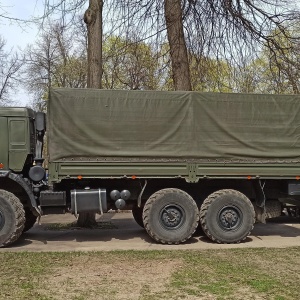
(21, 170)
(18, 139)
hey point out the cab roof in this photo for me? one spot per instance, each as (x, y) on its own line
(6, 111)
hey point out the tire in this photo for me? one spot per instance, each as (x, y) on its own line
(170, 216)
(137, 213)
(30, 219)
(227, 216)
(12, 218)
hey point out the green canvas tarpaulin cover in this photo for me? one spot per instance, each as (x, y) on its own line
(153, 125)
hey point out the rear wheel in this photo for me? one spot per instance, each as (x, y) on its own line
(170, 216)
(12, 218)
(227, 216)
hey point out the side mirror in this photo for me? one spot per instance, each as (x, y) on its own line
(40, 121)
(40, 127)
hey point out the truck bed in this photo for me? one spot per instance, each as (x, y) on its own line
(184, 134)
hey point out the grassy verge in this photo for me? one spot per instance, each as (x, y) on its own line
(217, 274)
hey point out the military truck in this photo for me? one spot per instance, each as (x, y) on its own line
(178, 160)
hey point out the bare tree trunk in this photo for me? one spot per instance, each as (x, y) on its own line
(179, 56)
(93, 20)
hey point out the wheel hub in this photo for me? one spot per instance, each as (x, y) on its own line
(230, 218)
(172, 216)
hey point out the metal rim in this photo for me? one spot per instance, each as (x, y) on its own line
(2, 220)
(172, 216)
(230, 218)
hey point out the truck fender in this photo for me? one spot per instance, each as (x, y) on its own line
(20, 180)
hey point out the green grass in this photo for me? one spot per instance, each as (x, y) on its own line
(230, 272)
(209, 274)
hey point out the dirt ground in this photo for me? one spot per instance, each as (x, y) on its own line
(120, 232)
(123, 273)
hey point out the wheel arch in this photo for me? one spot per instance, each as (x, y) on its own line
(16, 184)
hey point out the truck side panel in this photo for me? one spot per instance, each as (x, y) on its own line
(189, 172)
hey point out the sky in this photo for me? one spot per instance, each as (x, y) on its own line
(18, 36)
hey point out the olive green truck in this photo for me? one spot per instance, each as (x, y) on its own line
(178, 160)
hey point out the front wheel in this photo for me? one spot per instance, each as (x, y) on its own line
(227, 216)
(12, 218)
(170, 216)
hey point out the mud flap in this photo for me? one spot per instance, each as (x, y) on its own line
(260, 203)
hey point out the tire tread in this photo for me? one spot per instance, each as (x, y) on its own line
(19, 217)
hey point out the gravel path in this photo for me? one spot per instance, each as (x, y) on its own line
(122, 233)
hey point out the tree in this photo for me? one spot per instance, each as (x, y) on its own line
(281, 66)
(274, 70)
(54, 60)
(178, 50)
(217, 75)
(10, 65)
(220, 30)
(93, 20)
(128, 64)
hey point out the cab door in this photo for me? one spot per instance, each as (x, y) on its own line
(18, 143)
